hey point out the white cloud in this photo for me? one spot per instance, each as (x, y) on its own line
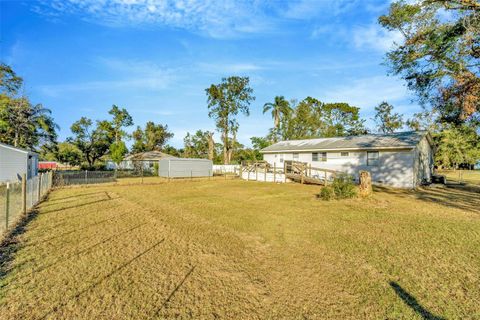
(375, 37)
(219, 19)
(368, 92)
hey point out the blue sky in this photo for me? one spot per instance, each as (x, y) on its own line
(155, 58)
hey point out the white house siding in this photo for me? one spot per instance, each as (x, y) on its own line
(14, 163)
(395, 168)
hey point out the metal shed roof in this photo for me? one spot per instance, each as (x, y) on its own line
(17, 149)
(398, 140)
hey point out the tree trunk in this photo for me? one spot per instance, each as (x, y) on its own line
(365, 184)
(211, 146)
(225, 146)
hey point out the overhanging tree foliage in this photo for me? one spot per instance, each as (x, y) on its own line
(152, 138)
(439, 56)
(22, 124)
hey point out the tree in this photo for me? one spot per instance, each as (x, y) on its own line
(386, 120)
(93, 142)
(68, 153)
(311, 118)
(280, 108)
(121, 119)
(22, 123)
(118, 150)
(152, 138)
(439, 56)
(457, 145)
(173, 151)
(197, 145)
(225, 101)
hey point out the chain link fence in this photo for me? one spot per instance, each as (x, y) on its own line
(16, 198)
(67, 178)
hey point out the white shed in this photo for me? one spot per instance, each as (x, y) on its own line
(185, 168)
(14, 162)
(403, 159)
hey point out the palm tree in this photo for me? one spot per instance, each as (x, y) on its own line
(280, 107)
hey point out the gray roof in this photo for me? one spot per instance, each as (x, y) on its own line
(149, 155)
(17, 149)
(398, 140)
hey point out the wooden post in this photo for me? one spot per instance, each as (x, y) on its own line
(241, 171)
(325, 178)
(302, 176)
(274, 172)
(265, 174)
(310, 170)
(191, 175)
(256, 173)
(7, 205)
(24, 193)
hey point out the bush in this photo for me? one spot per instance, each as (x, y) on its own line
(342, 187)
(327, 193)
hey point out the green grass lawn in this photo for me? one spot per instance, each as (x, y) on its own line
(244, 250)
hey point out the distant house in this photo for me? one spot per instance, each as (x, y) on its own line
(403, 159)
(47, 165)
(139, 160)
(14, 162)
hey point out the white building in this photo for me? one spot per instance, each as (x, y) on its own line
(14, 162)
(403, 159)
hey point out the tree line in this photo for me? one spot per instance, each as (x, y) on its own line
(438, 58)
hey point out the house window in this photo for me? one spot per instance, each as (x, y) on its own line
(315, 156)
(344, 154)
(372, 158)
(295, 157)
(281, 158)
(323, 156)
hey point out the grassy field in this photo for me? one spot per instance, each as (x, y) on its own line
(244, 250)
(468, 176)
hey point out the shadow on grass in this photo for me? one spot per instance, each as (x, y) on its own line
(412, 302)
(74, 254)
(10, 245)
(61, 235)
(99, 281)
(170, 296)
(464, 197)
(75, 196)
(78, 205)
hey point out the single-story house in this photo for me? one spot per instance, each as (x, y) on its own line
(403, 159)
(137, 160)
(14, 162)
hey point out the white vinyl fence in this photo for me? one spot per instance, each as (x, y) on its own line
(16, 198)
(262, 176)
(226, 168)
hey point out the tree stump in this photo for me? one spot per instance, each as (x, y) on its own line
(365, 184)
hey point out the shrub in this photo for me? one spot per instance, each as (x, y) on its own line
(327, 193)
(342, 187)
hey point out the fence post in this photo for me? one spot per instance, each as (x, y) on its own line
(191, 175)
(24, 193)
(256, 173)
(326, 177)
(39, 191)
(86, 176)
(7, 205)
(274, 172)
(240, 171)
(284, 172)
(265, 174)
